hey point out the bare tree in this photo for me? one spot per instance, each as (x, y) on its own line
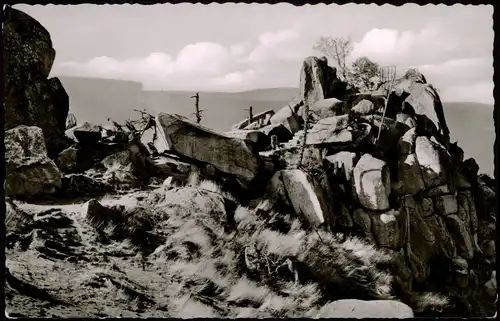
(197, 112)
(338, 49)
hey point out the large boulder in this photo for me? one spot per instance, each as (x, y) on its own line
(30, 98)
(355, 309)
(337, 130)
(304, 194)
(372, 183)
(29, 171)
(319, 81)
(229, 155)
(324, 108)
(135, 159)
(434, 161)
(377, 101)
(409, 173)
(85, 134)
(424, 100)
(288, 118)
(257, 137)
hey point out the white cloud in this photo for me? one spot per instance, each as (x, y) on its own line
(197, 63)
(459, 71)
(481, 92)
(389, 46)
(274, 60)
(284, 45)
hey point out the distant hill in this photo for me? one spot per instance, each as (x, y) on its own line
(94, 100)
(472, 126)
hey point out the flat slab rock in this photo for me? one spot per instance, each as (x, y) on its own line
(229, 155)
(336, 130)
(352, 308)
(299, 190)
(257, 137)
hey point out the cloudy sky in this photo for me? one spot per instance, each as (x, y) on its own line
(236, 47)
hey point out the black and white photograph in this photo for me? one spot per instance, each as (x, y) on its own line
(249, 160)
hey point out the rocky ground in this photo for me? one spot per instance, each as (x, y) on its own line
(64, 262)
(341, 204)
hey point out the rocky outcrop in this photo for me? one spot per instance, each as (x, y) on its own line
(399, 214)
(233, 156)
(29, 171)
(319, 81)
(414, 96)
(30, 98)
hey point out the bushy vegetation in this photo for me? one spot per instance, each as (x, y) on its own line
(271, 265)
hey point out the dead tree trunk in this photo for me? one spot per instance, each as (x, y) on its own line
(197, 107)
(250, 115)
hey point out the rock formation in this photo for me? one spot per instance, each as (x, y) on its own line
(377, 210)
(29, 171)
(30, 98)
